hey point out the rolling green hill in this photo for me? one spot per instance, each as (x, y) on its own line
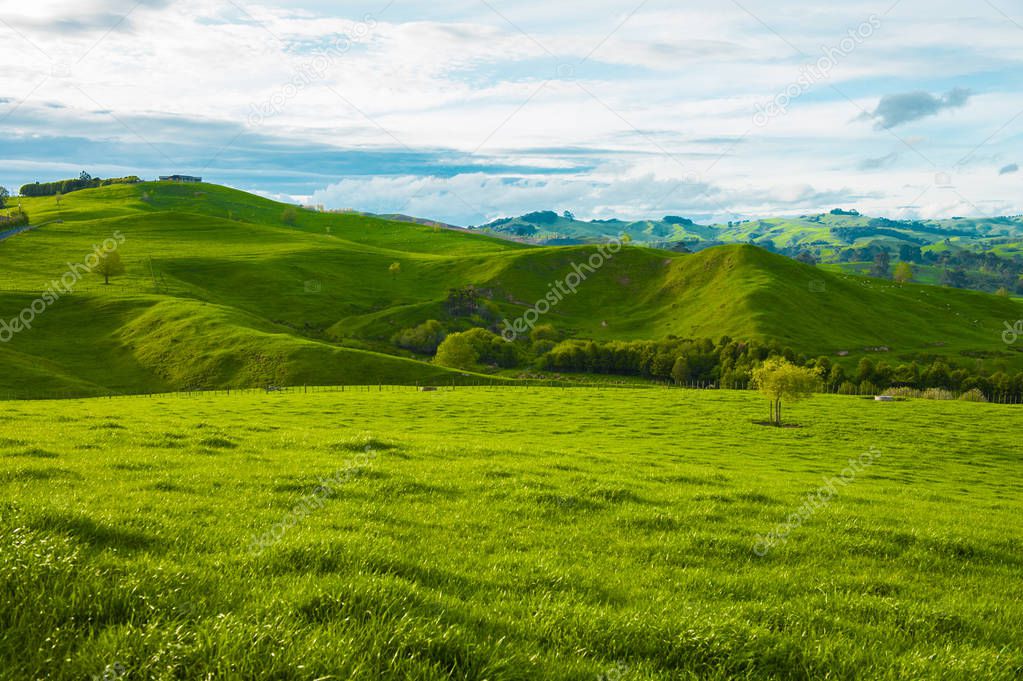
(223, 288)
(820, 234)
(983, 254)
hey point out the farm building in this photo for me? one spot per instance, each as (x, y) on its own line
(179, 178)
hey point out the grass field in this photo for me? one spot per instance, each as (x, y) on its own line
(507, 534)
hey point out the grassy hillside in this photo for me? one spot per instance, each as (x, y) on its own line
(223, 288)
(820, 234)
(989, 251)
(565, 535)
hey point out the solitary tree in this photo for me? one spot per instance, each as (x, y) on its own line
(779, 379)
(4, 194)
(289, 215)
(394, 269)
(109, 266)
(456, 352)
(903, 272)
(881, 264)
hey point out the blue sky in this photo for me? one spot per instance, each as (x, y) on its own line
(471, 110)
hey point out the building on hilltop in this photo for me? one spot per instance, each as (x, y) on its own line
(179, 178)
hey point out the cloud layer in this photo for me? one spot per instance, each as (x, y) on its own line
(466, 111)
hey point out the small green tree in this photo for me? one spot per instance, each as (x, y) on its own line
(423, 339)
(545, 332)
(681, 372)
(903, 272)
(289, 215)
(4, 195)
(110, 265)
(779, 379)
(456, 352)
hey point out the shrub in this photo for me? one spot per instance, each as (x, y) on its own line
(848, 388)
(544, 332)
(542, 347)
(903, 391)
(289, 215)
(938, 394)
(423, 339)
(492, 349)
(456, 352)
(464, 302)
(974, 395)
(867, 388)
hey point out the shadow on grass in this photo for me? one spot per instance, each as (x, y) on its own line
(775, 425)
(93, 533)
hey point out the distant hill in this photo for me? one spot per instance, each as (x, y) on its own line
(223, 288)
(426, 222)
(980, 253)
(546, 227)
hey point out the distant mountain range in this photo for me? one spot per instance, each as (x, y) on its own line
(980, 253)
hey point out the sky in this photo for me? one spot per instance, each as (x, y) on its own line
(470, 110)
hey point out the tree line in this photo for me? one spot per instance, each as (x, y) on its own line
(981, 271)
(726, 362)
(83, 181)
(730, 362)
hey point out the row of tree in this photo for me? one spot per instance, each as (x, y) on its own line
(725, 363)
(983, 271)
(733, 363)
(83, 181)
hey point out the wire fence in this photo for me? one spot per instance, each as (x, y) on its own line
(1006, 398)
(316, 389)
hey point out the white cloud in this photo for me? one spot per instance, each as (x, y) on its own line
(455, 77)
(601, 194)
